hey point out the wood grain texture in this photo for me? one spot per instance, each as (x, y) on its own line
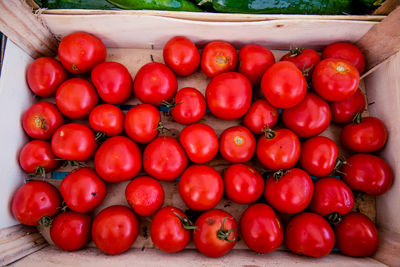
(387, 7)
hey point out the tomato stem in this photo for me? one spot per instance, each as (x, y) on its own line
(100, 137)
(357, 118)
(294, 52)
(186, 223)
(340, 161)
(279, 174)
(41, 123)
(224, 234)
(269, 133)
(161, 128)
(334, 218)
(46, 221)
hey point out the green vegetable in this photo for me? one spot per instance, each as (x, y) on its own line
(204, 4)
(372, 3)
(75, 4)
(173, 5)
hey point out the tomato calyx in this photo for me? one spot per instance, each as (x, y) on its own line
(74, 67)
(279, 174)
(269, 133)
(100, 137)
(72, 163)
(171, 104)
(334, 218)
(357, 118)
(294, 52)
(162, 129)
(186, 223)
(63, 207)
(46, 221)
(340, 161)
(39, 171)
(224, 234)
(40, 122)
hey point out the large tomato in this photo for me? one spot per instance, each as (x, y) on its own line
(345, 110)
(142, 122)
(218, 57)
(304, 59)
(189, 106)
(37, 157)
(345, 51)
(237, 144)
(108, 119)
(260, 116)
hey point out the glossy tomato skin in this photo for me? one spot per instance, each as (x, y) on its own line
(181, 55)
(218, 57)
(37, 154)
(112, 81)
(304, 59)
(33, 200)
(44, 75)
(115, 229)
(108, 119)
(309, 234)
(190, 106)
(254, 60)
(318, 156)
(237, 144)
(70, 231)
(283, 85)
(118, 159)
(310, 117)
(41, 120)
(79, 52)
(261, 229)
(145, 195)
(164, 158)
(347, 51)
(201, 187)
(367, 173)
(205, 235)
(345, 110)
(141, 123)
(155, 83)
(261, 115)
(228, 95)
(83, 190)
(200, 142)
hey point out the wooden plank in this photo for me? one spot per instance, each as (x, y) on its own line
(387, 7)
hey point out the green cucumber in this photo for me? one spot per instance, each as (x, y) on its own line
(172, 5)
(75, 4)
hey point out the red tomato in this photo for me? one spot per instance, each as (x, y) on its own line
(142, 122)
(218, 57)
(112, 81)
(115, 229)
(237, 144)
(200, 142)
(309, 234)
(289, 191)
(335, 79)
(181, 55)
(83, 190)
(145, 195)
(41, 120)
(345, 51)
(74, 141)
(76, 98)
(189, 106)
(155, 83)
(304, 59)
(108, 119)
(279, 149)
(367, 173)
(367, 134)
(170, 229)
(118, 159)
(310, 117)
(37, 157)
(261, 229)
(260, 116)
(283, 85)
(243, 184)
(44, 75)
(254, 60)
(70, 230)
(34, 200)
(318, 156)
(79, 52)
(357, 235)
(201, 187)
(345, 110)
(164, 159)
(228, 95)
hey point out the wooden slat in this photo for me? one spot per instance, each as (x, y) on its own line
(387, 7)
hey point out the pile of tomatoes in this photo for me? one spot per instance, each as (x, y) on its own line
(300, 96)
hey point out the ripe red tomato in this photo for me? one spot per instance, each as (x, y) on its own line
(108, 119)
(83, 190)
(310, 117)
(112, 81)
(345, 51)
(309, 234)
(216, 233)
(367, 134)
(118, 159)
(218, 57)
(228, 95)
(164, 158)
(74, 141)
(170, 229)
(304, 59)
(254, 60)
(261, 229)
(79, 52)
(115, 229)
(237, 144)
(189, 106)
(260, 116)
(37, 157)
(44, 75)
(278, 149)
(318, 156)
(243, 184)
(41, 120)
(70, 231)
(283, 85)
(200, 142)
(34, 200)
(356, 235)
(335, 79)
(345, 110)
(145, 195)
(289, 191)
(181, 55)
(367, 173)
(201, 187)
(155, 83)
(142, 122)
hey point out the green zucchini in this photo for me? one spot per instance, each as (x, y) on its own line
(172, 5)
(75, 4)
